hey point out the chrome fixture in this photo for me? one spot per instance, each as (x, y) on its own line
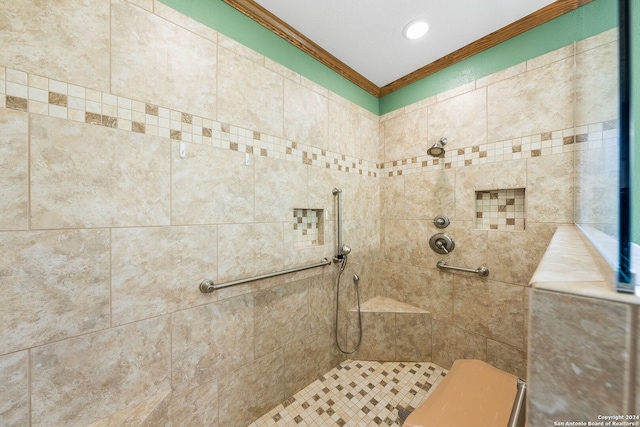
(441, 221)
(437, 150)
(480, 271)
(441, 243)
(343, 252)
(207, 286)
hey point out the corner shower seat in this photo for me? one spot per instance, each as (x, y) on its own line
(392, 331)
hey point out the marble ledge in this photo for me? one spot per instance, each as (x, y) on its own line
(387, 305)
(571, 265)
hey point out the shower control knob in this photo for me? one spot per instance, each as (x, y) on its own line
(441, 243)
(441, 221)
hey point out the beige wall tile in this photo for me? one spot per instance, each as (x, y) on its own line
(392, 199)
(14, 389)
(280, 186)
(458, 90)
(586, 382)
(210, 341)
(514, 256)
(471, 246)
(198, 406)
(507, 358)
(183, 65)
(406, 136)
(264, 378)
(429, 194)
(14, 170)
(369, 138)
(548, 58)
(260, 243)
(211, 186)
(413, 337)
(240, 49)
(55, 285)
(378, 336)
(407, 242)
(306, 116)
(495, 176)
(596, 85)
(145, 4)
(492, 309)
(183, 21)
(517, 107)
(84, 175)
(149, 410)
(306, 360)
(343, 129)
(426, 288)
(549, 192)
(68, 42)
(502, 75)
(281, 316)
(111, 369)
(157, 270)
(461, 119)
(451, 343)
(322, 301)
(250, 95)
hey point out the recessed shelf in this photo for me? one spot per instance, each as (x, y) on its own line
(308, 228)
(500, 210)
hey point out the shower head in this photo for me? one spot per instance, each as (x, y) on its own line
(438, 148)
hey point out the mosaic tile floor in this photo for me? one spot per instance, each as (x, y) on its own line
(357, 393)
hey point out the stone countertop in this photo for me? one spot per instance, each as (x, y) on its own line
(571, 265)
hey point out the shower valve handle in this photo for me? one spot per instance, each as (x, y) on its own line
(440, 244)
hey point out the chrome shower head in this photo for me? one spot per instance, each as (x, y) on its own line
(437, 149)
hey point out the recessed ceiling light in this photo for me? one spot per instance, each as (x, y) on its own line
(415, 29)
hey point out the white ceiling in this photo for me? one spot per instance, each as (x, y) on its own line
(367, 34)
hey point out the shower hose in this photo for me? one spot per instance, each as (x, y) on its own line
(356, 279)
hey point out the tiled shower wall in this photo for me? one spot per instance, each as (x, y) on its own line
(106, 231)
(516, 129)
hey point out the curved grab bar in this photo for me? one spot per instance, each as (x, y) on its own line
(480, 271)
(207, 286)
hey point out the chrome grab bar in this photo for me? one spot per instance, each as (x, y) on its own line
(480, 271)
(207, 286)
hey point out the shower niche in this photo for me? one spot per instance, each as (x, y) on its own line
(308, 228)
(501, 209)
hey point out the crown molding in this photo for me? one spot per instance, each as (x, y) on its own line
(268, 20)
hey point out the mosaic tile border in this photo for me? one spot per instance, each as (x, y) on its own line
(36, 94)
(543, 144)
(358, 393)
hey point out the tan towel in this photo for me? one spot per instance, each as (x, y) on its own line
(472, 394)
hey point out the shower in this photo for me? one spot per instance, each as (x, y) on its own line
(342, 253)
(437, 150)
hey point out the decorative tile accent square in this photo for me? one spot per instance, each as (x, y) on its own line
(308, 227)
(500, 210)
(358, 393)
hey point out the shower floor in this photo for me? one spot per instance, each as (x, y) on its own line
(357, 393)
